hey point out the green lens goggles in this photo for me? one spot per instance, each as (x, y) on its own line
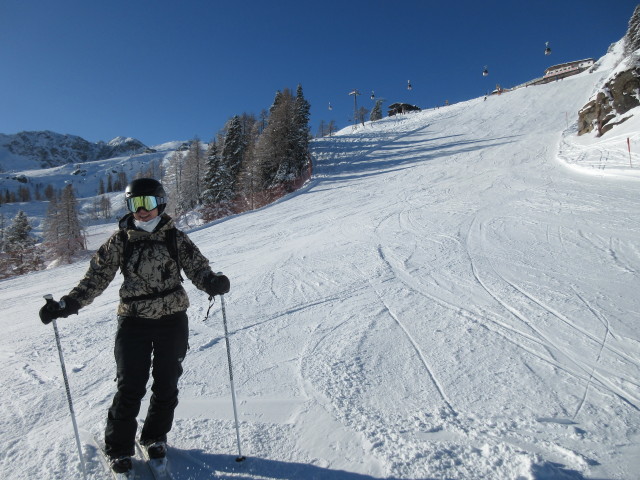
(147, 202)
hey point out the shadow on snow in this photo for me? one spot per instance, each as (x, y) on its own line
(352, 155)
(197, 464)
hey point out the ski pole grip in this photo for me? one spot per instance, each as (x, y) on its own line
(52, 305)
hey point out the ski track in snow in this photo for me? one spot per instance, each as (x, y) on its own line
(557, 351)
(445, 299)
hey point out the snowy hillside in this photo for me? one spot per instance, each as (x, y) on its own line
(31, 150)
(447, 298)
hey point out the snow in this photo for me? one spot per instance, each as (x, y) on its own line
(120, 141)
(453, 295)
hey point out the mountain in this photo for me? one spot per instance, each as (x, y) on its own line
(44, 149)
(453, 295)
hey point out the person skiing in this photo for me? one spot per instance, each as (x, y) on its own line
(152, 333)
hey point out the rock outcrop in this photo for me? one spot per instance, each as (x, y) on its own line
(621, 91)
(616, 97)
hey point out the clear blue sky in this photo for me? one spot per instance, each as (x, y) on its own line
(162, 70)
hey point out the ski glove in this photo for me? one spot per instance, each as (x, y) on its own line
(52, 309)
(217, 284)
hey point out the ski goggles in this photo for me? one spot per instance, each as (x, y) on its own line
(146, 201)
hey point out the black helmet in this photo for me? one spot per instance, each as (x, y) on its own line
(151, 187)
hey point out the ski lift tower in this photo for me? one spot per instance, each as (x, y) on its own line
(355, 94)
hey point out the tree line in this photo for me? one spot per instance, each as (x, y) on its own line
(250, 162)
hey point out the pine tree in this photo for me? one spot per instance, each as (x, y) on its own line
(24, 194)
(20, 252)
(321, 129)
(172, 183)
(332, 127)
(376, 113)
(191, 178)
(275, 147)
(230, 163)
(95, 208)
(249, 176)
(120, 183)
(64, 235)
(632, 37)
(301, 133)
(18, 236)
(49, 192)
(361, 114)
(105, 206)
(212, 174)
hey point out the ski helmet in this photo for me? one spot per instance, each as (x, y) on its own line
(142, 187)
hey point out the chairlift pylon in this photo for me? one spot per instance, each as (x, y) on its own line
(547, 51)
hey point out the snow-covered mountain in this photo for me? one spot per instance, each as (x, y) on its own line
(85, 176)
(453, 295)
(45, 149)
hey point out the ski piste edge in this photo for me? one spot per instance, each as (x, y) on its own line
(158, 468)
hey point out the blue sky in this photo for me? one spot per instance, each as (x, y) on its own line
(172, 70)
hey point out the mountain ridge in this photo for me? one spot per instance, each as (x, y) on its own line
(46, 149)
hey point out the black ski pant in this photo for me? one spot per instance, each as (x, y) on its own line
(143, 345)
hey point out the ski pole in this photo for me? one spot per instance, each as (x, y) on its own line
(49, 298)
(240, 457)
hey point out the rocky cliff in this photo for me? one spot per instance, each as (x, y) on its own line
(620, 92)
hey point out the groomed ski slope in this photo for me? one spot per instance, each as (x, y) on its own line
(445, 299)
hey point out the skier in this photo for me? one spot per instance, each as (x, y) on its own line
(152, 331)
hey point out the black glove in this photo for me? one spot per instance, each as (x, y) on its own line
(52, 309)
(217, 284)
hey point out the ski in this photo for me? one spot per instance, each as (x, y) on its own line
(104, 460)
(159, 467)
(124, 476)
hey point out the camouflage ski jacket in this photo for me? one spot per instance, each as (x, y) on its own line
(152, 281)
